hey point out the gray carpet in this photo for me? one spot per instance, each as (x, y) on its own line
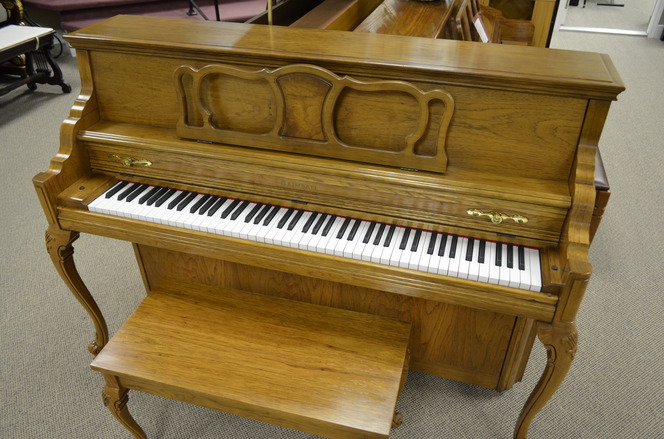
(614, 389)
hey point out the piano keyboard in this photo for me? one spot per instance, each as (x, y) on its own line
(417, 249)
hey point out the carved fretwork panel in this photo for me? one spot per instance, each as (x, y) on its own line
(306, 109)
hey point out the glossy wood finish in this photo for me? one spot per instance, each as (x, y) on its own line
(318, 369)
(408, 18)
(337, 14)
(522, 138)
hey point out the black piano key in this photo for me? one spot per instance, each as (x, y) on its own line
(522, 258)
(149, 194)
(353, 230)
(266, 208)
(216, 206)
(481, 251)
(231, 207)
(295, 220)
(432, 243)
(252, 213)
(416, 240)
(510, 256)
(186, 201)
(319, 223)
(208, 204)
(390, 234)
(469, 249)
(168, 194)
(157, 195)
(283, 220)
(177, 199)
(128, 191)
(270, 216)
(443, 243)
(343, 228)
(379, 234)
(237, 212)
(453, 246)
(370, 229)
(197, 205)
(499, 254)
(404, 239)
(328, 226)
(309, 222)
(115, 189)
(139, 190)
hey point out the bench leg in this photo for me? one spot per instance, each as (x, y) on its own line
(115, 398)
(397, 420)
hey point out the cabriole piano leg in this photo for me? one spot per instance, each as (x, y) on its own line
(59, 247)
(560, 340)
(115, 398)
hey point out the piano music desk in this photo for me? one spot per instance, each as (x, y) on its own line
(313, 368)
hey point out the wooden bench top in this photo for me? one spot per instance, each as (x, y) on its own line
(317, 369)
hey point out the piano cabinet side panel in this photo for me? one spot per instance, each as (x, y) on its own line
(449, 341)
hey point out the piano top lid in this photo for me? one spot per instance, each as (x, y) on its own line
(550, 71)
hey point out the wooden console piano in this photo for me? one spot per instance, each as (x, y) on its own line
(435, 194)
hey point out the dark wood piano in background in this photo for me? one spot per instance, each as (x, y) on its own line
(426, 19)
(468, 144)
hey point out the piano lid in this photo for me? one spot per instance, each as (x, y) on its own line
(573, 73)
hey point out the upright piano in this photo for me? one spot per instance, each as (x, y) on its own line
(444, 184)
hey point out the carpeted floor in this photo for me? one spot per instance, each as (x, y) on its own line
(614, 389)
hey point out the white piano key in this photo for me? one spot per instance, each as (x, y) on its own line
(358, 249)
(326, 243)
(389, 256)
(474, 265)
(504, 270)
(455, 261)
(525, 282)
(536, 271)
(489, 255)
(405, 253)
(425, 257)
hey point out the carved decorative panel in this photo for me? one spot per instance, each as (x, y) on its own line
(306, 109)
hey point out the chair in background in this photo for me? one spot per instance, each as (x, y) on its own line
(495, 27)
(24, 52)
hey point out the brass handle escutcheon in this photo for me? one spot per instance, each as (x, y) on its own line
(498, 217)
(130, 161)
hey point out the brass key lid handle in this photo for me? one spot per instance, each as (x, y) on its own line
(498, 217)
(130, 161)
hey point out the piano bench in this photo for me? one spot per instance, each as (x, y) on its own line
(312, 368)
